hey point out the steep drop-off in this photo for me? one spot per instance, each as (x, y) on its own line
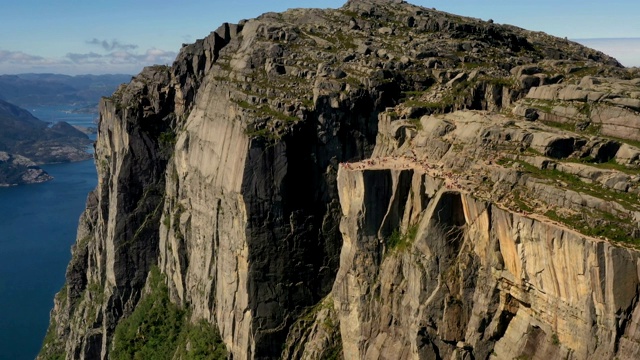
(377, 181)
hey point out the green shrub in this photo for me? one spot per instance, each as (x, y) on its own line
(167, 140)
(399, 241)
(52, 347)
(157, 329)
(152, 330)
(203, 341)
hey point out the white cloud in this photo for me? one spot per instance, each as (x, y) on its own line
(85, 58)
(121, 60)
(20, 58)
(158, 56)
(112, 45)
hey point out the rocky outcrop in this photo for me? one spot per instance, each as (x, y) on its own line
(433, 267)
(474, 279)
(593, 103)
(357, 183)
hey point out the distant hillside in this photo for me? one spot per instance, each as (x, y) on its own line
(16, 169)
(54, 89)
(26, 141)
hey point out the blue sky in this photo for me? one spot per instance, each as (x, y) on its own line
(118, 36)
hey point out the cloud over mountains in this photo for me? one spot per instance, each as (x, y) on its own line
(123, 57)
(108, 56)
(18, 57)
(114, 56)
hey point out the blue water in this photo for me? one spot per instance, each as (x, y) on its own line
(56, 113)
(37, 228)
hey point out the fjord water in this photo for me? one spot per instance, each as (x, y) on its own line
(54, 113)
(37, 228)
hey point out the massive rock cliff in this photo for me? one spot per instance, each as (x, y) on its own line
(377, 181)
(440, 262)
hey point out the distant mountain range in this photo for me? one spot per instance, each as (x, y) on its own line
(28, 90)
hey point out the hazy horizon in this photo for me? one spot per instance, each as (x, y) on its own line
(121, 37)
(625, 50)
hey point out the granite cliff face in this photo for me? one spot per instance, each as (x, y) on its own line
(452, 266)
(377, 181)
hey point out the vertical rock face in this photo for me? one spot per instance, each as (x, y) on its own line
(224, 171)
(474, 279)
(441, 260)
(118, 233)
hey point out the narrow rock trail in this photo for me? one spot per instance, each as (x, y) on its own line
(451, 181)
(405, 162)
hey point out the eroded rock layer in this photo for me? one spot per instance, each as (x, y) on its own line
(378, 181)
(433, 267)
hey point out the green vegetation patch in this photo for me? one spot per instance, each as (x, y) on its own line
(158, 329)
(305, 324)
(152, 330)
(579, 73)
(417, 123)
(202, 341)
(612, 227)
(267, 116)
(52, 346)
(520, 203)
(167, 140)
(263, 133)
(500, 81)
(567, 126)
(400, 242)
(612, 164)
(346, 40)
(628, 200)
(542, 105)
(456, 98)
